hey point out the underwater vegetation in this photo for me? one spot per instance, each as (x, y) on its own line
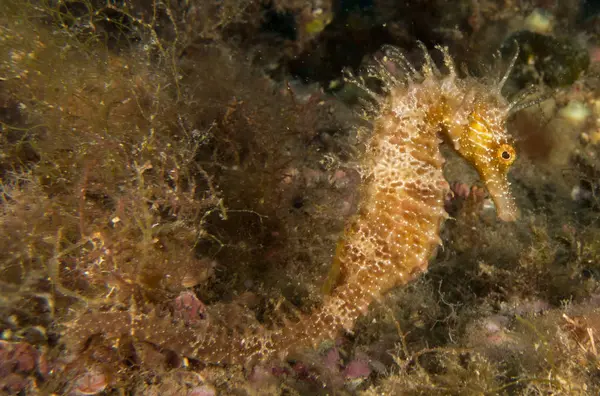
(185, 211)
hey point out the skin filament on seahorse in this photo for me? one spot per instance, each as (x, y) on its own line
(396, 230)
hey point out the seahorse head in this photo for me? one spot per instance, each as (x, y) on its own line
(484, 143)
(475, 121)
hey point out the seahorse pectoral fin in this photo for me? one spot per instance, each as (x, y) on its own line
(335, 272)
(332, 278)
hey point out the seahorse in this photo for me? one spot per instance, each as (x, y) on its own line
(396, 230)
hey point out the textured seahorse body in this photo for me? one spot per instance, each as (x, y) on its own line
(396, 230)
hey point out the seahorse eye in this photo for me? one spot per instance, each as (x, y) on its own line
(507, 153)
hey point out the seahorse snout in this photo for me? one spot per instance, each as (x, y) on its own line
(499, 190)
